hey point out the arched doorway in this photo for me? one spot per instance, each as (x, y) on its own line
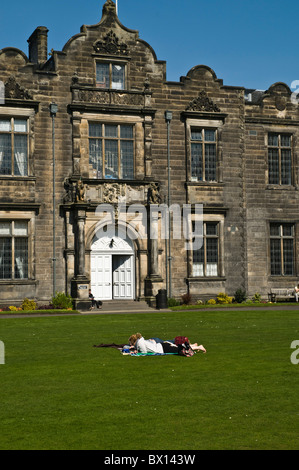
(112, 265)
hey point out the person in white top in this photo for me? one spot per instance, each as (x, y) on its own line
(151, 346)
(145, 346)
(296, 292)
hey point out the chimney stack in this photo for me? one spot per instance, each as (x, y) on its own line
(38, 46)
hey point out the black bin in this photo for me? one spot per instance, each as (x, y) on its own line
(161, 299)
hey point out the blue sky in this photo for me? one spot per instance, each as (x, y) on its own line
(250, 43)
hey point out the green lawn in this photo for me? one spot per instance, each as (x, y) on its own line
(59, 392)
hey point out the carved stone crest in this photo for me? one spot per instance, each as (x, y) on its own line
(111, 45)
(15, 91)
(202, 103)
(111, 193)
(280, 102)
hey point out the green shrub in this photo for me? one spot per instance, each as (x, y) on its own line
(62, 301)
(240, 296)
(173, 302)
(29, 304)
(223, 298)
(257, 297)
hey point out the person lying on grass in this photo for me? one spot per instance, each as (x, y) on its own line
(157, 346)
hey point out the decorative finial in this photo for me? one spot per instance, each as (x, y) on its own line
(109, 8)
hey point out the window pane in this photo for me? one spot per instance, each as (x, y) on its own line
(118, 77)
(5, 228)
(285, 140)
(288, 256)
(20, 125)
(196, 134)
(198, 269)
(287, 230)
(21, 258)
(126, 132)
(198, 262)
(210, 135)
(21, 228)
(5, 154)
(127, 159)
(275, 230)
(273, 160)
(211, 228)
(20, 163)
(110, 131)
(111, 159)
(212, 250)
(95, 130)
(102, 75)
(5, 258)
(286, 167)
(212, 269)
(196, 161)
(273, 140)
(95, 156)
(275, 251)
(5, 125)
(210, 162)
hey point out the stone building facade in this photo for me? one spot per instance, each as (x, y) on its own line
(86, 129)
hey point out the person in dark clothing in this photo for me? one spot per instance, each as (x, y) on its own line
(94, 302)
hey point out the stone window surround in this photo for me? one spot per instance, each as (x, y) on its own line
(28, 114)
(28, 216)
(112, 61)
(118, 139)
(139, 145)
(204, 123)
(219, 219)
(292, 131)
(294, 237)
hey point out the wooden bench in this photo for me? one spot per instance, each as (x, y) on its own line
(282, 293)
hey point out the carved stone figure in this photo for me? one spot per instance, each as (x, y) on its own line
(80, 191)
(68, 186)
(153, 194)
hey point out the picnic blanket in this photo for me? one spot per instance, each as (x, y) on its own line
(125, 350)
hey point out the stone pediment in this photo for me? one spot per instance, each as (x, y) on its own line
(203, 103)
(111, 45)
(13, 90)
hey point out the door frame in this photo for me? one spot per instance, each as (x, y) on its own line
(109, 243)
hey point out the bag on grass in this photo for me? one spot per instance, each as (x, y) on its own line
(183, 345)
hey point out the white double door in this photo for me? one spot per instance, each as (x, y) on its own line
(112, 276)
